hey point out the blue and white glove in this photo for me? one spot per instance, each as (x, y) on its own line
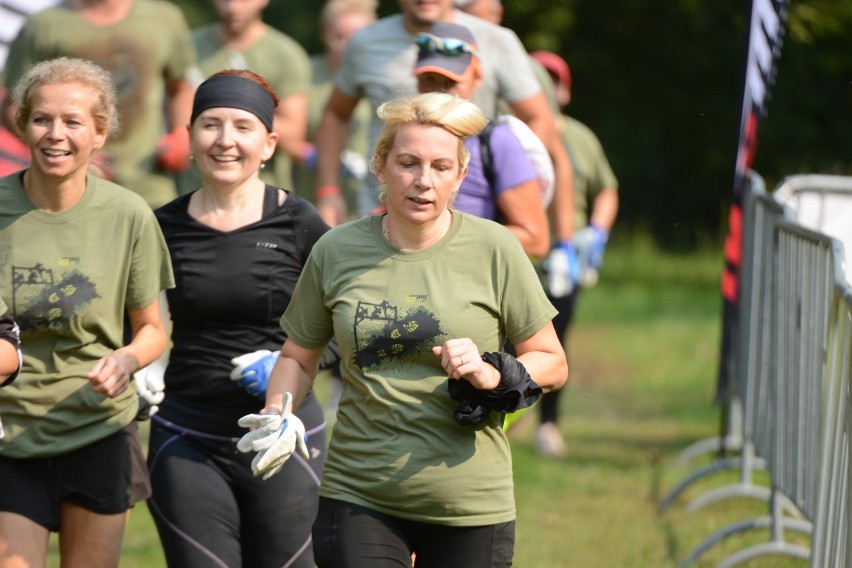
(274, 437)
(151, 388)
(562, 267)
(593, 239)
(251, 371)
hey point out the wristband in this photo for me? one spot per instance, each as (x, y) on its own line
(328, 190)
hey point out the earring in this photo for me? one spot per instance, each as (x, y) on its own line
(262, 165)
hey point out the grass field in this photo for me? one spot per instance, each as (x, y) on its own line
(644, 356)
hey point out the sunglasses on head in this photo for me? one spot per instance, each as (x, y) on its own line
(428, 43)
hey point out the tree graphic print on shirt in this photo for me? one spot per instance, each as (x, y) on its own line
(381, 336)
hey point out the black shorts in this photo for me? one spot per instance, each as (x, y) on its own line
(346, 534)
(106, 477)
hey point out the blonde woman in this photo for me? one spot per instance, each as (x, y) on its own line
(77, 253)
(420, 299)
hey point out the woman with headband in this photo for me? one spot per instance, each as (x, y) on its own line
(421, 300)
(238, 247)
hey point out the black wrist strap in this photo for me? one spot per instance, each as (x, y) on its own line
(515, 391)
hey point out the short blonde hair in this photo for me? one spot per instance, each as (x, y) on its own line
(458, 116)
(63, 70)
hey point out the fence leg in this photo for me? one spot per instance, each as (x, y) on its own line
(732, 441)
(776, 544)
(717, 465)
(749, 463)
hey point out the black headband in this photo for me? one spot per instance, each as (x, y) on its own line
(233, 91)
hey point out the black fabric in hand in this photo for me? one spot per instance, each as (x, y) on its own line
(516, 390)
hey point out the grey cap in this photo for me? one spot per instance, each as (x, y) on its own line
(452, 66)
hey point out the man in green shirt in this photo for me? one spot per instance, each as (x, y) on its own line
(146, 47)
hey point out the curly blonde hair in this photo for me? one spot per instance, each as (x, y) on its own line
(64, 70)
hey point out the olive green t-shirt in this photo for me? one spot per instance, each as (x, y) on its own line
(146, 50)
(68, 277)
(396, 447)
(592, 172)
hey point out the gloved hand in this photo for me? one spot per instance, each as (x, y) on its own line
(151, 389)
(173, 150)
(274, 437)
(251, 371)
(309, 157)
(562, 267)
(354, 164)
(593, 247)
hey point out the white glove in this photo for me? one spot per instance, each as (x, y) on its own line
(274, 437)
(354, 164)
(151, 387)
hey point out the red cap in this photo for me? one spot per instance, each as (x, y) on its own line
(555, 65)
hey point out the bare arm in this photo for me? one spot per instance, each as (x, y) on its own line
(173, 152)
(544, 358)
(291, 124)
(536, 113)
(9, 348)
(179, 103)
(331, 136)
(605, 209)
(7, 114)
(8, 361)
(294, 372)
(525, 217)
(111, 374)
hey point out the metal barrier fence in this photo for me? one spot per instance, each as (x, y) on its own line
(791, 372)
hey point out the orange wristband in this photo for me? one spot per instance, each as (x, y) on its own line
(328, 190)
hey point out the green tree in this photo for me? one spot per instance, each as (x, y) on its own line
(661, 84)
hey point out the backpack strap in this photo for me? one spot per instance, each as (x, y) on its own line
(485, 154)
(487, 159)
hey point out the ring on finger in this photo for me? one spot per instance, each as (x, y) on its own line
(461, 359)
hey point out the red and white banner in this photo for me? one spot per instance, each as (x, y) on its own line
(765, 35)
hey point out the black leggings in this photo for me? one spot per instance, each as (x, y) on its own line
(549, 403)
(350, 536)
(211, 511)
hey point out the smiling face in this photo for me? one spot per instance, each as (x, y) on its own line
(61, 129)
(229, 145)
(421, 172)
